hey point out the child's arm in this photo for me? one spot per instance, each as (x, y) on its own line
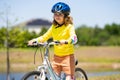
(73, 37)
(44, 37)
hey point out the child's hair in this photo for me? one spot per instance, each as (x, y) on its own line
(67, 20)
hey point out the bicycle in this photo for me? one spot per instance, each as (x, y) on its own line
(45, 71)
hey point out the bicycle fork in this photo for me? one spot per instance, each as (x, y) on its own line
(42, 75)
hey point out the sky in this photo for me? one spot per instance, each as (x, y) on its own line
(84, 12)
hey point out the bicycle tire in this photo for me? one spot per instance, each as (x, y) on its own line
(30, 74)
(80, 74)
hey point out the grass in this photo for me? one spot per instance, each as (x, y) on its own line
(111, 77)
(98, 54)
(101, 58)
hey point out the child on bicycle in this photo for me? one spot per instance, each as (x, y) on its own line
(62, 30)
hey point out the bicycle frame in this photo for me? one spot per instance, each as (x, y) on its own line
(47, 66)
(45, 71)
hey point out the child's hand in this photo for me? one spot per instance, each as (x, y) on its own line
(30, 43)
(63, 42)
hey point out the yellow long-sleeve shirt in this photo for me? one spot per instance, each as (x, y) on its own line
(61, 33)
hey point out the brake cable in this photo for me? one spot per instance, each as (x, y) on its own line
(35, 54)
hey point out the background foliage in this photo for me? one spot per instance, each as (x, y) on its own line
(90, 36)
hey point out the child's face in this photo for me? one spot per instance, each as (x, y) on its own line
(59, 18)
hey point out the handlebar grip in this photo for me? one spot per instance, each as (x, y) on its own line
(57, 41)
(34, 42)
(66, 42)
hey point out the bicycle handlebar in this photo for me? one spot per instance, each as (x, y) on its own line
(47, 44)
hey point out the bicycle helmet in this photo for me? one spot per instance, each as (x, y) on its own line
(61, 7)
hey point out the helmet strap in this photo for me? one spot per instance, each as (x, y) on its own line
(59, 25)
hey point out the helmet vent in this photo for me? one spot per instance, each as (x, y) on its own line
(61, 7)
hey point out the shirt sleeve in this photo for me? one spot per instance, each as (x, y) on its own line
(73, 36)
(45, 36)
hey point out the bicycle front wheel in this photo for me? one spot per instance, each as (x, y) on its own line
(34, 75)
(80, 74)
